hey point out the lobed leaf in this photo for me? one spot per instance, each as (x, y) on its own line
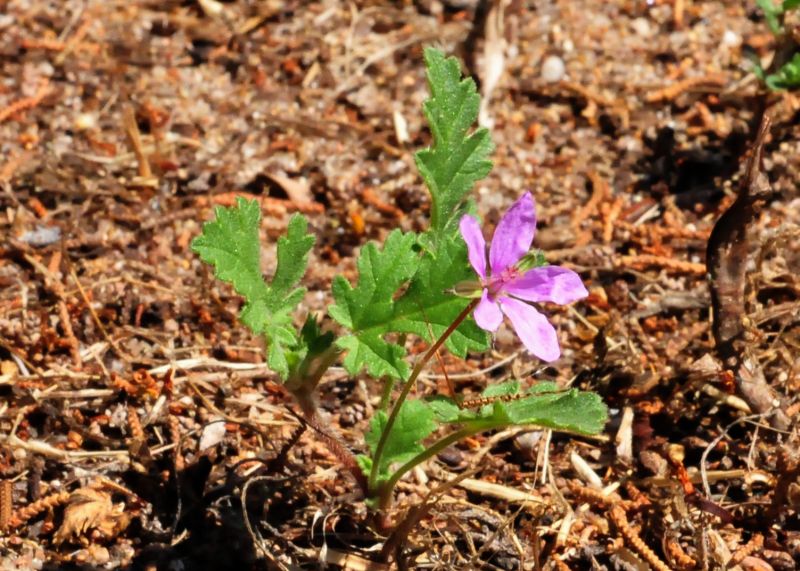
(368, 309)
(429, 306)
(414, 423)
(571, 410)
(456, 159)
(426, 309)
(231, 244)
(430, 265)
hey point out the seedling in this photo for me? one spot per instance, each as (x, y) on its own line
(433, 285)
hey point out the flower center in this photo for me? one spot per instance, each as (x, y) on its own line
(496, 284)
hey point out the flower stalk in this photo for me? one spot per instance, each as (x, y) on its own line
(407, 389)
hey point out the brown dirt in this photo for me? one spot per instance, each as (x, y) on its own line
(123, 123)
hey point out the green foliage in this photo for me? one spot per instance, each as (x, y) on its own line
(456, 160)
(368, 309)
(312, 343)
(787, 77)
(414, 423)
(773, 14)
(545, 405)
(231, 244)
(428, 306)
(427, 266)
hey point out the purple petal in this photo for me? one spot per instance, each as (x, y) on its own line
(487, 315)
(513, 235)
(476, 245)
(535, 332)
(548, 283)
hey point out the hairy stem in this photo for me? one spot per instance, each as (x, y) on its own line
(322, 363)
(302, 389)
(332, 441)
(407, 389)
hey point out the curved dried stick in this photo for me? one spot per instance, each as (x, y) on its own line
(726, 259)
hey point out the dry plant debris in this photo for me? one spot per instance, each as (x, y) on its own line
(122, 124)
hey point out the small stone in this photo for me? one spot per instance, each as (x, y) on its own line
(731, 39)
(85, 121)
(642, 27)
(42, 236)
(553, 69)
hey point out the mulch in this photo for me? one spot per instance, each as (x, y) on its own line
(139, 427)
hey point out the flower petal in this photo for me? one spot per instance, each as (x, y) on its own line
(513, 235)
(548, 283)
(535, 332)
(476, 245)
(487, 315)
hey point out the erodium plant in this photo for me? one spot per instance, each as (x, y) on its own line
(408, 287)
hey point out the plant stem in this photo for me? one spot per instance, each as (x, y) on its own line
(376, 460)
(438, 446)
(302, 387)
(323, 363)
(388, 385)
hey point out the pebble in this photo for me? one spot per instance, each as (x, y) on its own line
(553, 69)
(642, 27)
(731, 39)
(42, 236)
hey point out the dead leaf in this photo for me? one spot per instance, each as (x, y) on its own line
(8, 371)
(91, 509)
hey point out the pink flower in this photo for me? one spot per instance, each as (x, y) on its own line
(508, 287)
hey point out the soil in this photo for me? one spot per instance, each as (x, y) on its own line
(139, 427)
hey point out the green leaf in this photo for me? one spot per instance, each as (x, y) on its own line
(790, 5)
(231, 244)
(456, 159)
(368, 309)
(572, 410)
(300, 355)
(430, 265)
(314, 340)
(545, 405)
(446, 410)
(773, 14)
(787, 77)
(428, 306)
(293, 252)
(414, 423)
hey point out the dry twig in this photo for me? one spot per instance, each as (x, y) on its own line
(26, 103)
(716, 81)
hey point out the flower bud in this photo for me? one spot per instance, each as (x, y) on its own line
(468, 288)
